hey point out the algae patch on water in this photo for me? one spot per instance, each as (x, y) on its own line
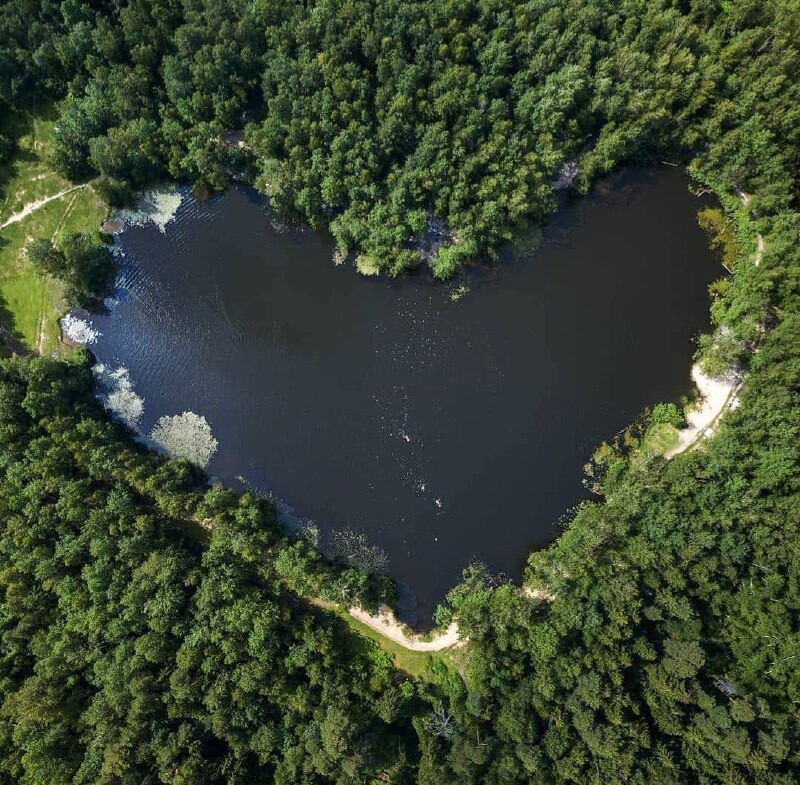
(117, 395)
(158, 206)
(186, 435)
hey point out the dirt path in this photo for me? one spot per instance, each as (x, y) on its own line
(759, 249)
(40, 333)
(387, 625)
(64, 217)
(759, 238)
(32, 207)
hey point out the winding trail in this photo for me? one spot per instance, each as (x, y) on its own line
(32, 207)
(386, 623)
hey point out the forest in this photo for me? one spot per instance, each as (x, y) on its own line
(414, 130)
(156, 629)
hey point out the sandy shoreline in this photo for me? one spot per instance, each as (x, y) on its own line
(387, 625)
(717, 395)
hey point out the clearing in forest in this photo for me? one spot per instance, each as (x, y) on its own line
(30, 303)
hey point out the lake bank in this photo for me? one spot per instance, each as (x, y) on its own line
(36, 202)
(392, 407)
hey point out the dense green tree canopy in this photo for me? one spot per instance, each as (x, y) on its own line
(145, 633)
(416, 129)
(82, 261)
(152, 628)
(667, 648)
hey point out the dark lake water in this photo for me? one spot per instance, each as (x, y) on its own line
(445, 430)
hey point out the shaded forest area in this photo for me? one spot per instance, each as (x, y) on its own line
(391, 121)
(139, 645)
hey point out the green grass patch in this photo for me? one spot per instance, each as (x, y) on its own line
(659, 439)
(30, 303)
(414, 663)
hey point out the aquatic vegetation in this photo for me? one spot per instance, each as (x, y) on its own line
(186, 435)
(457, 292)
(364, 264)
(353, 548)
(117, 394)
(78, 330)
(158, 206)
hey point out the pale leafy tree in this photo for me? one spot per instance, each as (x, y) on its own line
(569, 171)
(440, 723)
(78, 330)
(725, 687)
(117, 394)
(157, 206)
(186, 435)
(125, 404)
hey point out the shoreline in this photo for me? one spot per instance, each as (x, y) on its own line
(717, 395)
(385, 622)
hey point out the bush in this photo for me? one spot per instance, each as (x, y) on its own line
(82, 261)
(667, 414)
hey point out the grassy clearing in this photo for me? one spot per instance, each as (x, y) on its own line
(30, 304)
(414, 663)
(659, 439)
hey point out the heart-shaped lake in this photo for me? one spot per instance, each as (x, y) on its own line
(446, 426)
